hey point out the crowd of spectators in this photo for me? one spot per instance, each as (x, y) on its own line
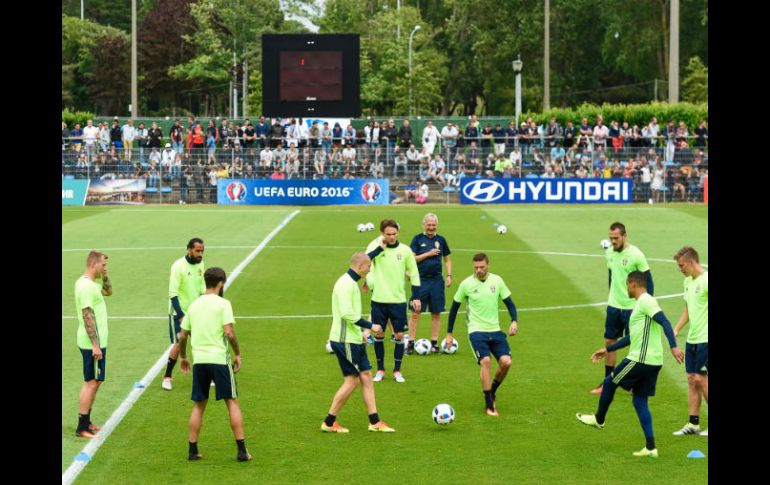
(668, 163)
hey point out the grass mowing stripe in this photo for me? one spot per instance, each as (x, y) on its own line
(277, 317)
(88, 451)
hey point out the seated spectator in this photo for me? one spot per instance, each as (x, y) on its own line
(436, 169)
(399, 161)
(581, 172)
(410, 191)
(679, 180)
(377, 169)
(153, 176)
(319, 161)
(557, 154)
(515, 157)
(548, 173)
(422, 194)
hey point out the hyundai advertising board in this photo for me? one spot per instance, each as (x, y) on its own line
(549, 191)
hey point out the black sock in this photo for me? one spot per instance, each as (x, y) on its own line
(374, 418)
(608, 370)
(434, 343)
(695, 420)
(411, 344)
(488, 400)
(379, 352)
(82, 422)
(495, 385)
(89, 416)
(170, 367)
(241, 445)
(398, 355)
(330, 418)
(651, 443)
(193, 450)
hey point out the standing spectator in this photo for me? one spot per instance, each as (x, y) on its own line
(184, 185)
(658, 182)
(128, 133)
(261, 132)
(569, 136)
(211, 143)
(375, 136)
(141, 139)
(326, 137)
(349, 136)
(76, 135)
(701, 134)
(449, 139)
(212, 178)
(653, 132)
(616, 137)
(405, 135)
(197, 139)
(90, 135)
(682, 152)
(645, 179)
(430, 136)
(627, 133)
(600, 133)
(486, 140)
(553, 134)
(176, 134)
(314, 136)
(65, 138)
(104, 137)
(368, 132)
(498, 134)
(511, 136)
(391, 133)
(302, 134)
(669, 134)
(472, 134)
(223, 133)
(586, 132)
(292, 133)
(154, 136)
(337, 135)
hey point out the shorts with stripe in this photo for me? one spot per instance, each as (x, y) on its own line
(174, 327)
(696, 358)
(486, 343)
(395, 312)
(92, 368)
(637, 377)
(616, 322)
(352, 358)
(222, 375)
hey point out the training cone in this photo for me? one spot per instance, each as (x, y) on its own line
(696, 454)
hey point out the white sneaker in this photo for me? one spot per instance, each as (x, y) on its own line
(398, 377)
(688, 428)
(379, 375)
(705, 432)
(166, 384)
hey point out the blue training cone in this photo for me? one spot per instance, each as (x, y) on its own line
(82, 457)
(495, 224)
(696, 454)
(483, 216)
(138, 385)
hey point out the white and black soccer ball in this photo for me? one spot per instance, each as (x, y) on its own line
(329, 347)
(501, 229)
(605, 243)
(361, 228)
(449, 350)
(369, 226)
(443, 414)
(422, 346)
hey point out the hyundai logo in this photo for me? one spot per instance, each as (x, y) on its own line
(483, 190)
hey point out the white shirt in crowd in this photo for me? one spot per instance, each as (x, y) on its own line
(129, 132)
(90, 134)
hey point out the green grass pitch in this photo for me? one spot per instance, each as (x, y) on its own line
(288, 380)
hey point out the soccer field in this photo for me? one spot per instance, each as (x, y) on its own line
(550, 259)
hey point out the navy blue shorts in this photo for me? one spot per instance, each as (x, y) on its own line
(616, 322)
(395, 312)
(92, 368)
(640, 378)
(222, 375)
(352, 357)
(484, 343)
(174, 327)
(432, 294)
(696, 358)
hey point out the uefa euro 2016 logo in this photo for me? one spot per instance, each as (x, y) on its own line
(370, 191)
(236, 191)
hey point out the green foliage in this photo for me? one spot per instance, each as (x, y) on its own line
(71, 118)
(695, 86)
(634, 114)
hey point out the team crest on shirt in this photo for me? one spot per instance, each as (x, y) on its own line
(200, 272)
(437, 245)
(492, 288)
(624, 262)
(422, 245)
(697, 290)
(399, 257)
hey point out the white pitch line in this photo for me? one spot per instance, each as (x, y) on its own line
(282, 317)
(461, 250)
(117, 416)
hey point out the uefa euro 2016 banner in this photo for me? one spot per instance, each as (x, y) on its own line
(538, 190)
(302, 192)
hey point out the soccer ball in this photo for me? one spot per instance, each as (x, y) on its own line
(443, 414)
(449, 350)
(369, 226)
(422, 346)
(361, 228)
(605, 244)
(329, 347)
(501, 229)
